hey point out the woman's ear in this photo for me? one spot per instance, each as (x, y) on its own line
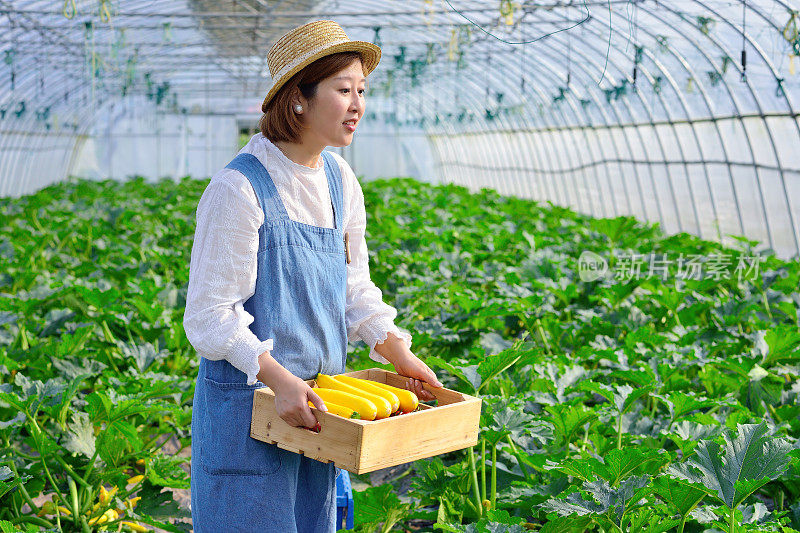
(298, 100)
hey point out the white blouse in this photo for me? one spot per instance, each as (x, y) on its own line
(222, 272)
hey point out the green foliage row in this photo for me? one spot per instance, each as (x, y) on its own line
(645, 404)
(649, 403)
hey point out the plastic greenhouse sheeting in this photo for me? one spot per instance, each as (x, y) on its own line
(678, 112)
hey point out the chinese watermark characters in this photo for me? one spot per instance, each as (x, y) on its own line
(627, 267)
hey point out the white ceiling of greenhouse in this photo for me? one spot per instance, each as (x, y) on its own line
(618, 60)
(642, 90)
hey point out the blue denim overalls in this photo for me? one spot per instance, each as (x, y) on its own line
(239, 483)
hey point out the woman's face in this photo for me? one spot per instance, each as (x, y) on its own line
(339, 98)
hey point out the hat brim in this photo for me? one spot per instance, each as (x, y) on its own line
(369, 51)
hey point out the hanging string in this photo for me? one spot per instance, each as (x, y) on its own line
(608, 51)
(791, 32)
(488, 62)
(11, 55)
(91, 58)
(9, 60)
(105, 12)
(522, 70)
(585, 19)
(427, 12)
(40, 85)
(637, 49)
(569, 59)
(70, 9)
(744, 40)
(457, 72)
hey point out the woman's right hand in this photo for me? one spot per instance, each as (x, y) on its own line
(291, 401)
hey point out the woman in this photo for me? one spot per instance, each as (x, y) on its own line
(278, 284)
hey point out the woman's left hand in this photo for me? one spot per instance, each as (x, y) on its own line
(417, 372)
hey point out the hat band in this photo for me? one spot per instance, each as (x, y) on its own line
(281, 73)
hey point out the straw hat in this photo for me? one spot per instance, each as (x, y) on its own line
(309, 42)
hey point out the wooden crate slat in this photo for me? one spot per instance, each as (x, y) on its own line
(361, 446)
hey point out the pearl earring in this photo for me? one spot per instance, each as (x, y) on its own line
(298, 108)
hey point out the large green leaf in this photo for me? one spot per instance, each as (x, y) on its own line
(732, 472)
(379, 505)
(614, 466)
(779, 344)
(622, 397)
(681, 404)
(493, 365)
(604, 499)
(681, 497)
(495, 521)
(567, 419)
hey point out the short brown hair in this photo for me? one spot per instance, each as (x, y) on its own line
(280, 122)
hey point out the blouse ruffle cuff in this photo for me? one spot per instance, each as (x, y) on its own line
(244, 356)
(376, 332)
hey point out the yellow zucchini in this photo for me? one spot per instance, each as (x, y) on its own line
(133, 526)
(344, 412)
(330, 382)
(370, 387)
(365, 408)
(408, 400)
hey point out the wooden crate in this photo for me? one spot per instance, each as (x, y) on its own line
(361, 446)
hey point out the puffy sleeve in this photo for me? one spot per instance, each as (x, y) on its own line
(367, 317)
(222, 276)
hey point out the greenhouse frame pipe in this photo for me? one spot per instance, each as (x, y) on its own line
(600, 107)
(81, 57)
(770, 66)
(668, 75)
(460, 149)
(545, 139)
(545, 151)
(746, 133)
(530, 135)
(440, 144)
(701, 86)
(533, 153)
(746, 137)
(536, 151)
(562, 160)
(467, 134)
(10, 163)
(530, 153)
(721, 142)
(657, 136)
(609, 127)
(595, 97)
(491, 129)
(548, 131)
(525, 138)
(645, 106)
(492, 155)
(691, 122)
(694, 131)
(34, 134)
(667, 109)
(264, 14)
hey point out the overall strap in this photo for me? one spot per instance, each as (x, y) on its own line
(264, 187)
(334, 176)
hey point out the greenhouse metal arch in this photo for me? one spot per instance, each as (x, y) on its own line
(557, 276)
(698, 142)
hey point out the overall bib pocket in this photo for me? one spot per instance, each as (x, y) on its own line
(227, 447)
